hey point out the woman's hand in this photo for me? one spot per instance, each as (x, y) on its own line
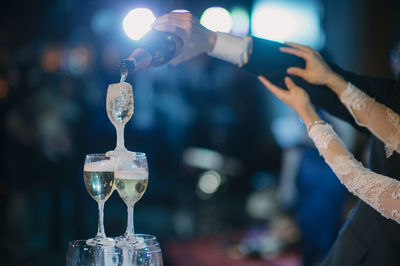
(295, 97)
(316, 72)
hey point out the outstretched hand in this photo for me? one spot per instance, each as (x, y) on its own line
(317, 70)
(295, 97)
(196, 38)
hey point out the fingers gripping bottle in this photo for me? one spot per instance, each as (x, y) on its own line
(154, 49)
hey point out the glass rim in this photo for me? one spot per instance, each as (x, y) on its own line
(146, 236)
(76, 242)
(99, 154)
(140, 154)
(149, 249)
(82, 243)
(82, 247)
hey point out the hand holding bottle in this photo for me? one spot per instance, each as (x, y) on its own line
(196, 38)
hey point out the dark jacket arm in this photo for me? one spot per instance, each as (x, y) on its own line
(267, 60)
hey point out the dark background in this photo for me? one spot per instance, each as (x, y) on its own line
(54, 72)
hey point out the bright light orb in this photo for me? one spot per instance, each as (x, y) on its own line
(216, 19)
(138, 22)
(283, 21)
(274, 23)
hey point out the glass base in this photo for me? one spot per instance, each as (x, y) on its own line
(123, 242)
(121, 153)
(139, 240)
(105, 241)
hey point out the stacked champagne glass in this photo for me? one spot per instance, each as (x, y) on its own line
(127, 172)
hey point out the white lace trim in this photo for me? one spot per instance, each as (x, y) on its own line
(355, 99)
(322, 135)
(372, 188)
(393, 141)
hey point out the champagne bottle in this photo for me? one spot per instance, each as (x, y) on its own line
(155, 48)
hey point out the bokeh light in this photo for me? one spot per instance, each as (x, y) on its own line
(51, 58)
(280, 22)
(3, 88)
(137, 22)
(217, 19)
(240, 21)
(78, 60)
(209, 182)
(203, 158)
(274, 23)
(102, 21)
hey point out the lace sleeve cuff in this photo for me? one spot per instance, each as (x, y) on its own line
(322, 135)
(355, 99)
(392, 142)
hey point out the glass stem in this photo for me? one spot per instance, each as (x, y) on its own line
(120, 138)
(100, 228)
(130, 232)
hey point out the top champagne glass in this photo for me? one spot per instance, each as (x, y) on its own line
(119, 110)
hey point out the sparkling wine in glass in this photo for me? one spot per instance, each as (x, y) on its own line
(120, 109)
(98, 173)
(131, 178)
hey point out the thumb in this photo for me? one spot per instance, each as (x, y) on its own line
(290, 84)
(296, 71)
(278, 92)
(177, 60)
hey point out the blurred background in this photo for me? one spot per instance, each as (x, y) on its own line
(233, 177)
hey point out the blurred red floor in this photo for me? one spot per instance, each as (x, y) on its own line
(210, 251)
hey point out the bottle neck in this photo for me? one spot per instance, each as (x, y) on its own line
(140, 58)
(156, 48)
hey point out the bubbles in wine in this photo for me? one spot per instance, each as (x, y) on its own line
(101, 166)
(138, 173)
(99, 178)
(131, 184)
(120, 103)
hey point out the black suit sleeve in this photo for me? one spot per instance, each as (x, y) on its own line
(267, 60)
(384, 90)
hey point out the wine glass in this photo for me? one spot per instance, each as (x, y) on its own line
(146, 238)
(131, 178)
(120, 109)
(81, 254)
(130, 255)
(98, 173)
(149, 255)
